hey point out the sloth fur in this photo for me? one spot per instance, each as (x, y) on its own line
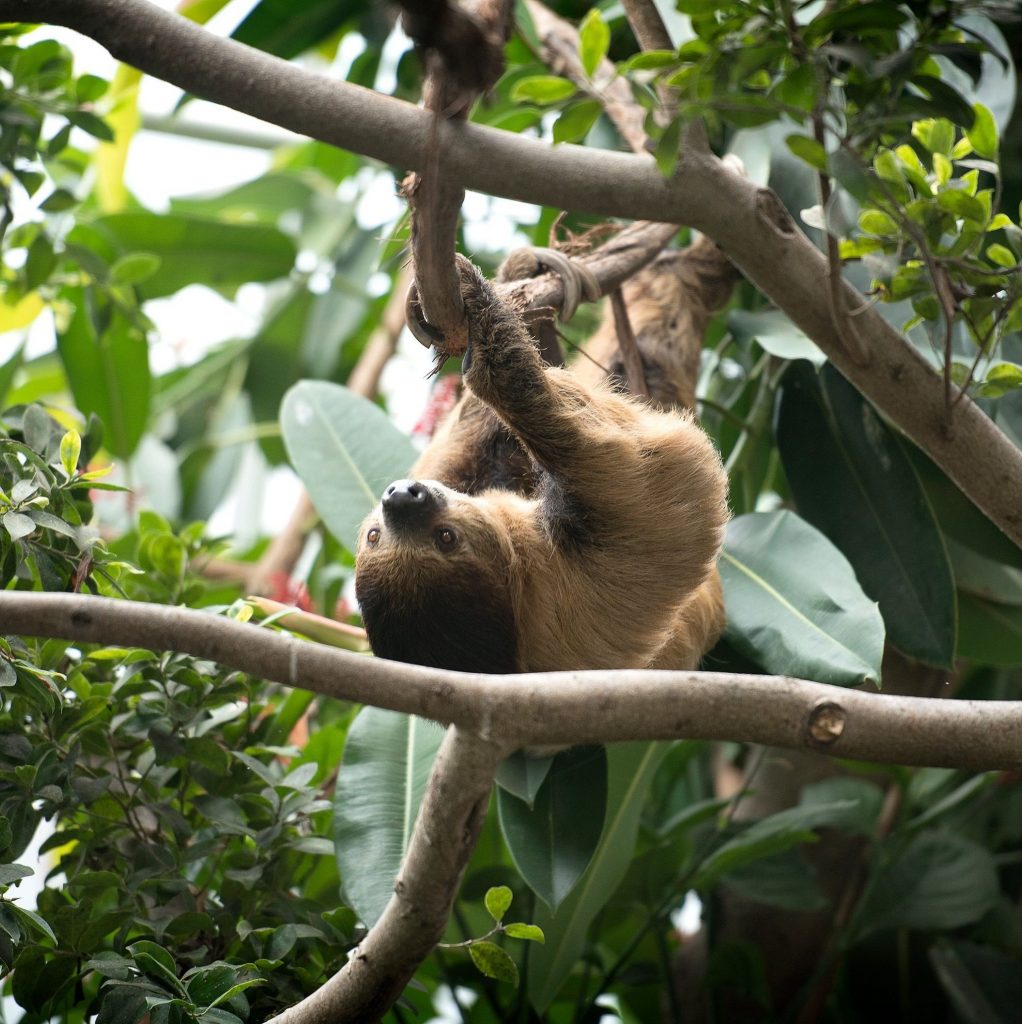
(554, 522)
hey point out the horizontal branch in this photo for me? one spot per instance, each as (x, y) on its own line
(560, 708)
(748, 222)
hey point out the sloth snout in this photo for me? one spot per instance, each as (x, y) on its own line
(408, 501)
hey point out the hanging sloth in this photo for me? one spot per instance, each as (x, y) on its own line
(554, 522)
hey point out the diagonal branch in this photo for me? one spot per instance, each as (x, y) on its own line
(559, 708)
(748, 222)
(445, 833)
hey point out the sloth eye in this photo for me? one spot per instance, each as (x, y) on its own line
(446, 538)
(373, 536)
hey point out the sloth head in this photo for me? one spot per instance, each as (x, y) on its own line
(433, 579)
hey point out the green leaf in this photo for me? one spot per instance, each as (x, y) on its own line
(542, 89)
(526, 932)
(794, 605)
(631, 767)
(134, 268)
(940, 881)
(498, 900)
(770, 836)
(552, 842)
(775, 333)
(989, 633)
(70, 450)
(346, 451)
(807, 149)
(936, 134)
(494, 962)
(983, 133)
(18, 525)
(852, 480)
(593, 41)
(958, 202)
(522, 775)
(286, 30)
(958, 517)
(782, 880)
(92, 124)
(108, 374)
(876, 222)
(574, 124)
(949, 100)
(667, 148)
(1001, 255)
(198, 250)
(386, 764)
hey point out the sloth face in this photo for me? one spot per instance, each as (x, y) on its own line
(432, 580)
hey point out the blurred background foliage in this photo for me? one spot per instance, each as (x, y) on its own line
(181, 842)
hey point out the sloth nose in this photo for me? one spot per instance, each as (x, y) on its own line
(407, 500)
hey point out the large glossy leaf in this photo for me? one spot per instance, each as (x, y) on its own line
(201, 250)
(630, 771)
(959, 518)
(553, 841)
(287, 28)
(775, 333)
(989, 633)
(793, 603)
(851, 479)
(108, 373)
(940, 881)
(345, 450)
(384, 771)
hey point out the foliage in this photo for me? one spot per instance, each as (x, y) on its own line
(213, 846)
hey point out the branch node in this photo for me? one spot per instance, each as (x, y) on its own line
(771, 209)
(826, 723)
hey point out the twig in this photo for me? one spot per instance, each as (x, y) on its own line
(630, 355)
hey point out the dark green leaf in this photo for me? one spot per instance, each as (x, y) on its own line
(989, 633)
(793, 603)
(809, 150)
(386, 764)
(552, 842)
(522, 775)
(286, 30)
(109, 374)
(92, 124)
(631, 767)
(851, 479)
(494, 962)
(196, 250)
(940, 881)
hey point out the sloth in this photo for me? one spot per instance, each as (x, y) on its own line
(556, 523)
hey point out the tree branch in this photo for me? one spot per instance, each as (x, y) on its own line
(560, 708)
(445, 833)
(748, 222)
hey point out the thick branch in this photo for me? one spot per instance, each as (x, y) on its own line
(748, 222)
(560, 708)
(445, 834)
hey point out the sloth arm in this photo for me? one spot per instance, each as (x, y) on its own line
(545, 407)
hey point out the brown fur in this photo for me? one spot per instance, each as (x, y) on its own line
(588, 524)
